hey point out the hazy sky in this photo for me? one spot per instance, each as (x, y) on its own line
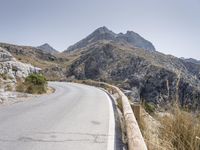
(173, 26)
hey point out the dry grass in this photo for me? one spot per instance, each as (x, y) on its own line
(181, 129)
(30, 88)
(149, 128)
(176, 130)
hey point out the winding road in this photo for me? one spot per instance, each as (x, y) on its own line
(75, 117)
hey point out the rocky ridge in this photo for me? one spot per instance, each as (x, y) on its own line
(130, 38)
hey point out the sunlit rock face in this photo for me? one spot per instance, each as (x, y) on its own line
(13, 68)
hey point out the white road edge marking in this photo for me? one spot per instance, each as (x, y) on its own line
(111, 129)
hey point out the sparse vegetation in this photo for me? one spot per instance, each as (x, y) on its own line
(9, 87)
(119, 103)
(4, 76)
(181, 129)
(174, 130)
(33, 84)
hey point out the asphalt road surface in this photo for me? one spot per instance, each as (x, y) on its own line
(75, 117)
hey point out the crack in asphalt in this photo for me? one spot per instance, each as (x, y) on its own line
(93, 138)
(29, 139)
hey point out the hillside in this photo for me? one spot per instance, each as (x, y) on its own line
(52, 65)
(150, 76)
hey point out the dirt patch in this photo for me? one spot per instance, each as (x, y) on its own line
(50, 90)
(8, 97)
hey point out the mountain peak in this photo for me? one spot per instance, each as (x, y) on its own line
(47, 48)
(103, 29)
(103, 33)
(46, 44)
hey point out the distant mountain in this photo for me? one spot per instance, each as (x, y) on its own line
(47, 48)
(104, 34)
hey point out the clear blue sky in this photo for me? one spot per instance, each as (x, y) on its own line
(173, 26)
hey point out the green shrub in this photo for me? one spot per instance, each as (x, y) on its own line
(33, 84)
(36, 79)
(149, 107)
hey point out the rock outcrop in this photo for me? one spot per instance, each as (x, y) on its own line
(55, 73)
(13, 68)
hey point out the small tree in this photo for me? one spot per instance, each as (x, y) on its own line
(33, 84)
(36, 79)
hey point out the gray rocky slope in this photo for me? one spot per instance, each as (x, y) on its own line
(151, 76)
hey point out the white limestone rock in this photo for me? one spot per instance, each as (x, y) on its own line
(13, 68)
(10, 69)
